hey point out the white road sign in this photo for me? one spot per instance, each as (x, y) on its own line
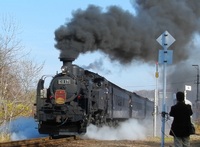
(162, 59)
(165, 39)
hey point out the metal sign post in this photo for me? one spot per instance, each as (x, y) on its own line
(165, 57)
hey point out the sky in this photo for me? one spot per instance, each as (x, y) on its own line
(39, 20)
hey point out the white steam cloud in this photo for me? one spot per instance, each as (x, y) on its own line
(24, 128)
(128, 130)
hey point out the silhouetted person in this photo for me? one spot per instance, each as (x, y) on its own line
(180, 128)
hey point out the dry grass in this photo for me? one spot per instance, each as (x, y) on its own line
(197, 127)
(4, 137)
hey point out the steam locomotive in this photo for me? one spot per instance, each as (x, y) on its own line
(76, 98)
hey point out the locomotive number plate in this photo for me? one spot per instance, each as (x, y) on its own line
(64, 81)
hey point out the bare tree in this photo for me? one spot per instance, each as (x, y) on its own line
(18, 75)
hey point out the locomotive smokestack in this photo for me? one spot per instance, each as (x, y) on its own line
(67, 64)
(66, 60)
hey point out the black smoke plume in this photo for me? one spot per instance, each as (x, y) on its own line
(124, 36)
(97, 66)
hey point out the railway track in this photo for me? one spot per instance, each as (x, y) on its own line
(41, 142)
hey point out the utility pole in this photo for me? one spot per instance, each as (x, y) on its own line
(155, 102)
(197, 99)
(197, 67)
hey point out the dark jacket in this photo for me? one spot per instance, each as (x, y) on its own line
(181, 123)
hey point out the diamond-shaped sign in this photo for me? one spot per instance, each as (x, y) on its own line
(165, 39)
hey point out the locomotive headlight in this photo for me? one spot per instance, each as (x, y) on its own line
(64, 69)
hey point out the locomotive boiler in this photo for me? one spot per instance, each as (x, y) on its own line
(76, 98)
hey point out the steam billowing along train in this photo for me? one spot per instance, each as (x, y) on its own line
(77, 97)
